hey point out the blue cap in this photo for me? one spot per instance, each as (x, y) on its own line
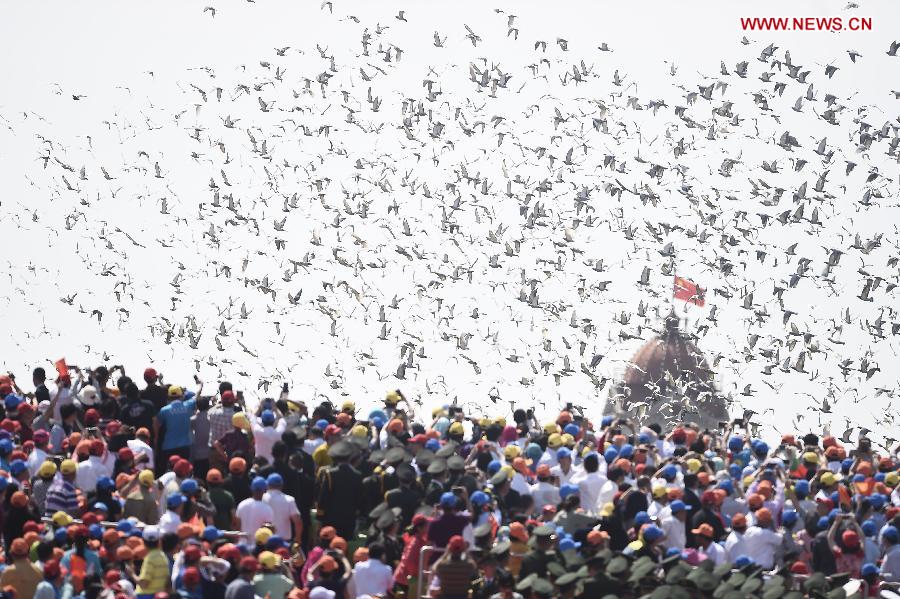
(378, 414)
(643, 439)
(879, 477)
(124, 526)
(823, 523)
(100, 507)
(267, 417)
(572, 429)
(276, 542)
(275, 480)
(322, 424)
(494, 466)
(846, 465)
(742, 561)
(626, 451)
(606, 421)
(189, 486)
(563, 452)
(890, 533)
(378, 421)
(789, 518)
(568, 489)
(189, 395)
(610, 455)
(448, 500)
(211, 534)
(534, 451)
(858, 478)
(258, 484)
(670, 471)
(673, 551)
(95, 531)
(869, 570)
(835, 498)
(734, 470)
(869, 528)
(652, 533)
(567, 544)
(727, 486)
(479, 498)
(105, 483)
(175, 500)
(61, 535)
(641, 518)
(876, 500)
(679, 506)
(735, 444)
(12, 402)
(6, 446)
(432, 444)
(801, 489)
(17, 467)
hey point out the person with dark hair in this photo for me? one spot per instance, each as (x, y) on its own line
(66, 426)
(39, 378)
(137, 412)
(154, 392)
(54, 585)
(200, 438)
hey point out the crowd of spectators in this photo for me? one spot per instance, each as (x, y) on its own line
(121, 488)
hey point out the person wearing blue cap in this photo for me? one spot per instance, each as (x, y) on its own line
(450, 523)
(169, 521)
(674, 525)
(563, 471)
(267, 429)
(284, 508)
(253, 512)
(890, 565)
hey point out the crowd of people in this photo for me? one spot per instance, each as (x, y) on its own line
(121, 488)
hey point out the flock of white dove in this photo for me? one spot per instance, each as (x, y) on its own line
(490, 234)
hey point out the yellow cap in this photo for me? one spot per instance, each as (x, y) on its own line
(501, 421)
(550, 428)
(269, 560)
(512, 451)
(359, 431)
(891, 479)
(437, 412)
(607, 510)
(240, 421)
(262, 535)
(568, 440)
(348, 406)
(62, 519)
(175, 391)
(146, 477)
(659, 492)
(693, 465)
(68, 467)
(748, 480)
(828, 479)
(810, 457)
(47, 469)
(484, 422)
(457, 428)
(555, 441)
(586, 451)
(393, 398)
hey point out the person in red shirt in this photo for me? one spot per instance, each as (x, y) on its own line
(849, 554)
(407, 571)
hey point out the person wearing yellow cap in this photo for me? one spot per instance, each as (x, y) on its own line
(62, 496)
(270, 581)
(456, 429)
(348, 407)
(42, 484)
(143, 501)
(554, 442)
(659, 506)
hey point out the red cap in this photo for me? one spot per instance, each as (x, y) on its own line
(456, 545)
(91, 417)
(800, 568)
(191, 576)
(97, 447)
(850, 539)
(543, 470)
(183, 468)
(249, 564)
(228, 396)
(419, 519)
(126, 454)
(150, 374)
(192, 553)
(52, 569)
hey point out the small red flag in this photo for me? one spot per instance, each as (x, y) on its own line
(689, 291)
(61, 367)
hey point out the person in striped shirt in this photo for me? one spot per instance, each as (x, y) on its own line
(62, 496)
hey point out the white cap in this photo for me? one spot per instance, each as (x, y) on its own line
(89, 396)
(321, 593)
(151, 533)
(42, 406)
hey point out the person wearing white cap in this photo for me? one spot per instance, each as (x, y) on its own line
(321, 593)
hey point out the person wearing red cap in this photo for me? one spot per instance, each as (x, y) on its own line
(38, 455)
(154, 392)
(455, 570)
(406, 572)
(708, 514)
(761, 542)
(849, 554)
(53, 584)
(242, 586)
(20, 573)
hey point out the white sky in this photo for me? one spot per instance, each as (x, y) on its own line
(97, 48)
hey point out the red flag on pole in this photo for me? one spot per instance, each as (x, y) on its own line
(61, 367)
(689, 291)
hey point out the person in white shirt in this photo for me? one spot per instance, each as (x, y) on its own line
(38, 455)
(267, 429)
(704, 535)
(171, 519)
(373, 577)
(93, 468)
(543, 491)
(140, 445)
(284, 508)
(590, 482)
(563, 471)
(253, 512)
(890, 566)
(659, 507)
(674, 527)
(734, 542)
(554, 442)
(761, 542)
